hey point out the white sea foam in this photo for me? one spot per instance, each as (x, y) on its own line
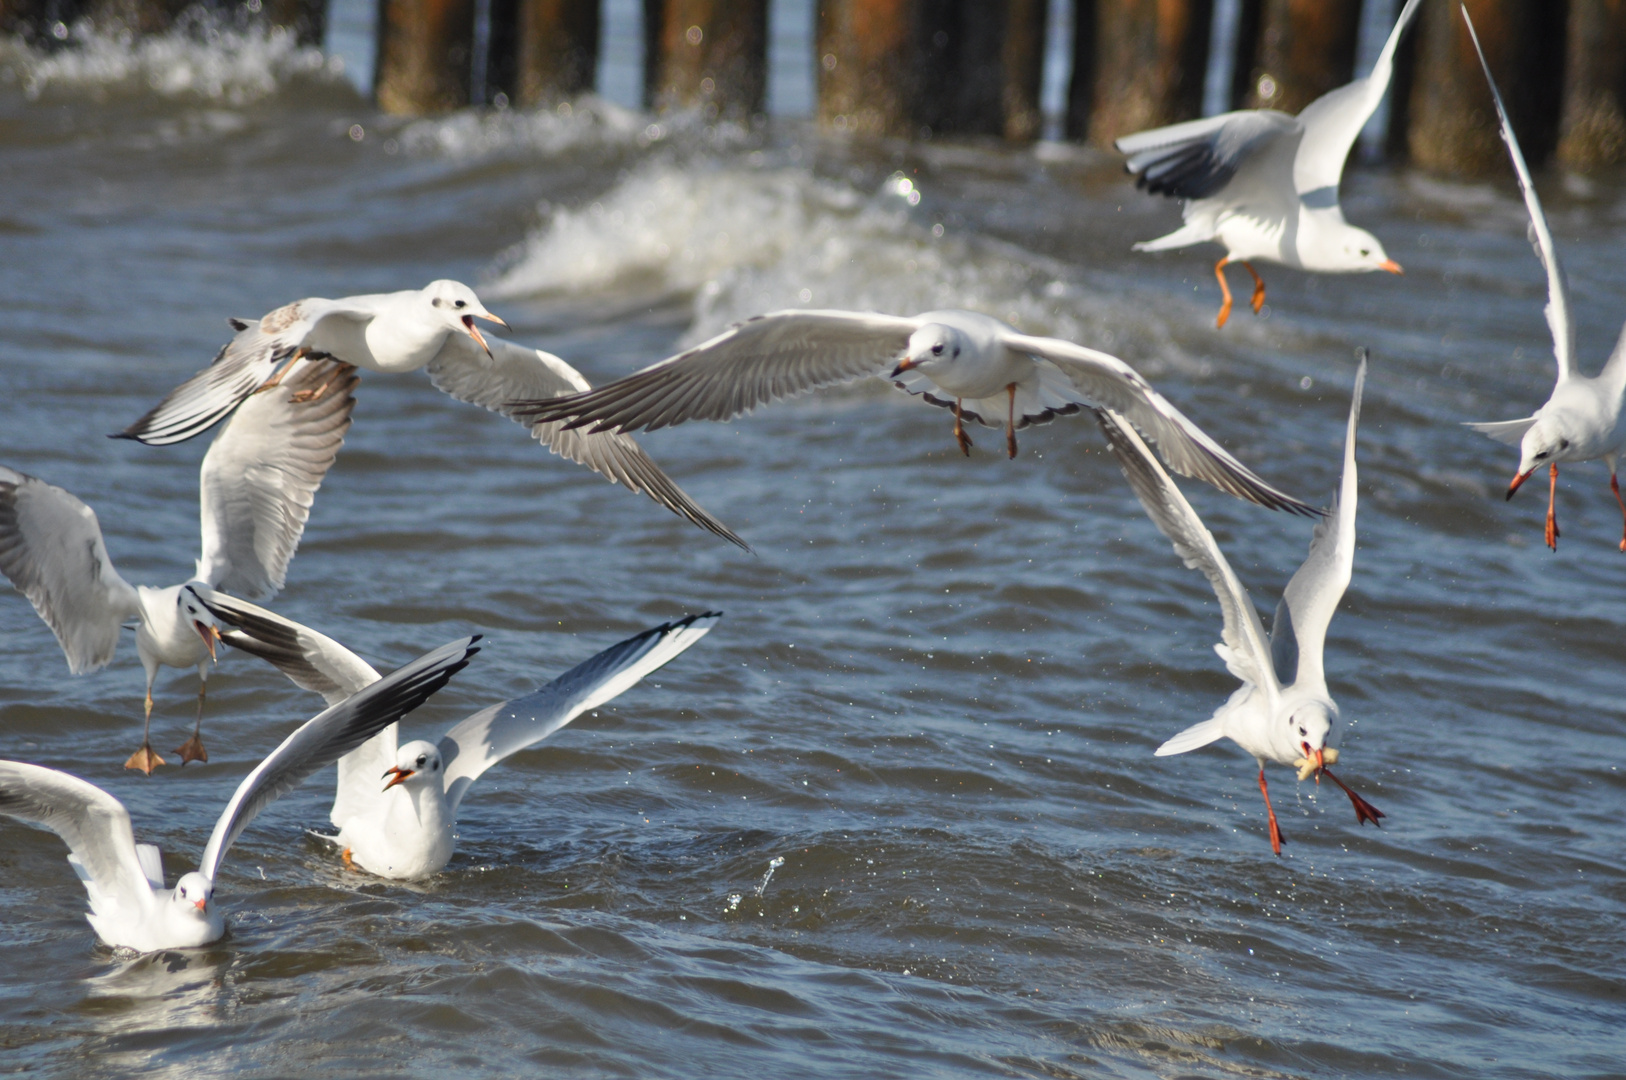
(583, 122)
(199, 57)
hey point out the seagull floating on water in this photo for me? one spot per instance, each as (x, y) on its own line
(1283, 711)
(431, 328)
(396, 805)
(129, 906)
(1265, 184)
(1581, 421)
(256, 486)
(984, 369)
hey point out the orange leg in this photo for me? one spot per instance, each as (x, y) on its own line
(959, 431)
(1010, 427)
(345, 855)
(276, 379)
(145, 758)
(1275, 829)
(1614, 485)
(317, 393)
(1364, 811)
(192, 749)
(1552, 493)
(1225, 290)
(1258, 287)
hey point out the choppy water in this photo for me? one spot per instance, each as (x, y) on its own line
(939, 682)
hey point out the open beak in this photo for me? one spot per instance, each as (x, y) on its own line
(1517, 480)
(1391, 266)
(210, 634)
(468, 325)
(397, 775)
(903, 365)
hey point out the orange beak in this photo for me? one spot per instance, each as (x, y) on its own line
(903, 365)
(210, 635)
(397, 775)
(1320, 759)
(1391, 266)
(1517, 480)
(201, 904)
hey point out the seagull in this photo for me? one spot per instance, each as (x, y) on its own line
(985, 370)
(1265, 184)
(1283, 711)
(431, 328)
(129, 906)
(256, 486)
(1581, 421)
(396, 806)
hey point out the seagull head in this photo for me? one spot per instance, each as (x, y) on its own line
(456, 303)
(931, 348)
(416, 762)
(1544, 443)
(192, 894)
(197, 615)
(1310, 728)
(1362, 251)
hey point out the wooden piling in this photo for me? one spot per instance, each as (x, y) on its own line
(1148, 61)
(556, 45)
(423, 55)
(1452, 120)
(706, 53)
(1304, 48)
(1593, 127)
(306, 18)
(995, 57)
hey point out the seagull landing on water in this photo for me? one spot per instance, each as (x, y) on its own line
(129, 906)
(433, 328)
(1582, 419)
(396, 806)
(982, 368)
(1283, 711)
(1265, 184)
(255, 491)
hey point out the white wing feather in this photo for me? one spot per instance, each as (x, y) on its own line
(93, 824)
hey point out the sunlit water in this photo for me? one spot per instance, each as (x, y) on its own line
(932, 705)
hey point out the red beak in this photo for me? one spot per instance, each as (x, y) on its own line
(201, 904)
(397, 774)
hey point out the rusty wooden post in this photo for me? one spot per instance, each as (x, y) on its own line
(707, 53)
(1593, 129)
(1452, 121)
(423, 55)
(866, 57)
(556, 42)
(1150, 56)
(1012, 31)
(1304, 49)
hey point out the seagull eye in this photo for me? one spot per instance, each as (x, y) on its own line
(1563, 444)
(937, 350)
(1303, 732)
(461, 303)
(1366, 251)
(183, 892)
(421, 760)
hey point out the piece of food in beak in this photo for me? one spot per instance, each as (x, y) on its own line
(1309, 766)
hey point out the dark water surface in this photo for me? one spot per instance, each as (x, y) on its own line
(932, 705)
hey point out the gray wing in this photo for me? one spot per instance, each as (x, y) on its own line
(312, 661)
(260, 476)
(1246, 650)
(1196, 159)
(1104, 381)
(1312, 596)
(330, 735)
(1558, 286)
(494, 733)
(1333, 121)
(93, 824)
(52, 550)
(512, 373)
(764, 359)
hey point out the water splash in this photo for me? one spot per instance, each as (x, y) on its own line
(773, 864)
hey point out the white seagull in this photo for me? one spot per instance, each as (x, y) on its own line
(256, 486)
(983, 369)
(1283, 711)
(1582, 419)
(129, 906)
(396, 806)
(1265, 184)
(431, 328)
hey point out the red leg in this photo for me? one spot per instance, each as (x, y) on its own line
(1258, 287)
(959, 431)
(1364, 811)
(1225, 290)
(1552, 493)
(1275, 829)
(1010, 428)
(1614, 485)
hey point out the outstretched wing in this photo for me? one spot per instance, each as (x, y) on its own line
(1246, 651)
(1311, 597)
(1197, 158)
(260, 476)
(763, 359)
(512, 373)
(93, 824)
(494, 733)
(1105, 382)
(1558, 286)
(311, 660)
(330, 735)
(1503, 431)
(51, 548)
(1333, 121)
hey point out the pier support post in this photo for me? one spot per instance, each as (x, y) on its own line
(1304, 49)
(997, 69)
(306, 18)
(556, 47)
(1148, 59)
(424, 49)
(1593, 129)
(707, 53)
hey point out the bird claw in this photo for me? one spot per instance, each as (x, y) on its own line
(144, 759)
(192, 750)
(965, 442)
